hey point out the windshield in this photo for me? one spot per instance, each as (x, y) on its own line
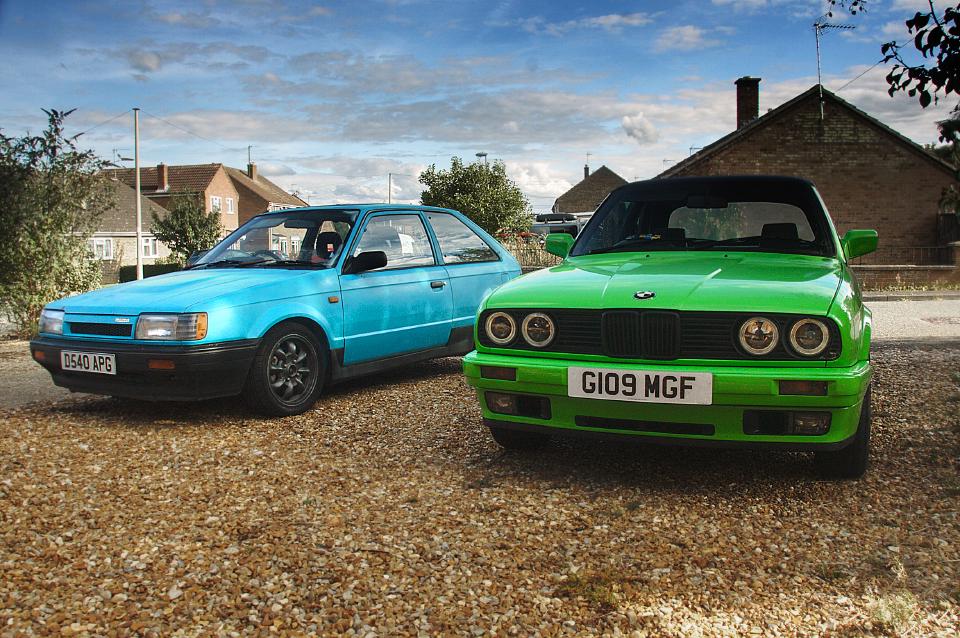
(297, 238)
(709, 214)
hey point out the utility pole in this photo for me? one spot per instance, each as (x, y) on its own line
(136, 180)
(389, 188)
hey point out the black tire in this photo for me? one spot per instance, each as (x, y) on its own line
(511, 439)
(288, 371)
(850, 462)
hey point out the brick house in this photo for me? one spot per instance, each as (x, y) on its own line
(115, 242)
(208, 182)
(585, 196)
(258, 194)
(869, 175)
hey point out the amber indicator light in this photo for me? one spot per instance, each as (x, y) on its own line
(496, 372)
(809, 388)
(161, 364)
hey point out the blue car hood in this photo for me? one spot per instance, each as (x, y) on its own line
(180, 291)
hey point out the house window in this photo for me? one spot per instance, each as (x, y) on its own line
(295, 246)
(229, 206)
(215, 203)
(149, 246)
(101, 247)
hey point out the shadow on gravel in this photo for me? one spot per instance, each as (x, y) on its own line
(601, 465)
(214, 412)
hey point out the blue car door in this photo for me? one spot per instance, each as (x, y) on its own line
(473, 266)
(403, 307)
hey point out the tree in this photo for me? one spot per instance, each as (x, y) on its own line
(936, 37)
(52, 196)
(482, 192)
(187, 227)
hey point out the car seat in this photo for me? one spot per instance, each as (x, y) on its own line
(779, 236)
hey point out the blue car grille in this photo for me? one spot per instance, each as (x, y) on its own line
(100, 329)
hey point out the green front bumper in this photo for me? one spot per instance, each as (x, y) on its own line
(735, 390)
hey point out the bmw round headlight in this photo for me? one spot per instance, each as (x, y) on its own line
(809, 337)
(759, 335)
(500, 328)
(172, 327)
(51, 321)
(538, 329)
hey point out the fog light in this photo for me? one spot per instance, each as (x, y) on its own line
(809, 388)
(496, 372)
(501, 403)
(811, 423)
(161, 364)
(39, 355)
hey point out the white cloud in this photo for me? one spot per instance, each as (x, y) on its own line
(611, 22)
(895, 29)
(683, 38)
(640, 128)
(273, 169)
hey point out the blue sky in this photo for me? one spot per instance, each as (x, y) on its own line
(334, 96)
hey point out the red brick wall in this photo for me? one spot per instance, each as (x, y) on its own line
(867, 177)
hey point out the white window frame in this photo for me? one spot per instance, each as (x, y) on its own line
(216, 203)
(230, 209)
(106, 248)
(149, 247)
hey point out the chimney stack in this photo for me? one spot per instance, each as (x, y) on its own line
(252, 170)
(748, 100)
(586, 171)
(163, 177)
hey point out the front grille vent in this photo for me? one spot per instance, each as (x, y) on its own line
(100, 329)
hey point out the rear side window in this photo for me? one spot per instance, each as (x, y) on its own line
(458, 243)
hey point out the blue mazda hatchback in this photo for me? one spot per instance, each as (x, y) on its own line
(286, 303)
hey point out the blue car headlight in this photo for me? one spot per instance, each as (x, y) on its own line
(172, 327)
(51, 321)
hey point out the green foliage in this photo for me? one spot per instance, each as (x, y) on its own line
(129, 273)
(187, 227)
(52, 196)
(482, 192)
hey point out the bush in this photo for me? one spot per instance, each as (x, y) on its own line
(52, 197)
(129, 273)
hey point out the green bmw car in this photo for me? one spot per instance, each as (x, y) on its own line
(713, 311)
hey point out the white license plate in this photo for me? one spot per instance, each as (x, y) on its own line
(647, 386)
(99, 362)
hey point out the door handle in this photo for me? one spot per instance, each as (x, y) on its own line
(437, 284)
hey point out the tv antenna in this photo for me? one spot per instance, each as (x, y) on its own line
(819, 27)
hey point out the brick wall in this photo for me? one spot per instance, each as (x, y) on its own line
(868, 177)
(221, 185)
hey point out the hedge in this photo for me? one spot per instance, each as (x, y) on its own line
(129, 273)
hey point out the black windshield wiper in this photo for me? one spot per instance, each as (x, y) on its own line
(292, 262)
(230, 262)
(631, 245)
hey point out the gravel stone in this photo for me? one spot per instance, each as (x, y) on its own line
(387, 510)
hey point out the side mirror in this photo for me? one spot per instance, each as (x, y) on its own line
(859, 242)
(363, 262)
(559, 244)
(195, 256)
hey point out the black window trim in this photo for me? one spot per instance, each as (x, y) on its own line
(495, 252)
(362, 227)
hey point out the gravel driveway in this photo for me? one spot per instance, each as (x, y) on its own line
(388, 511)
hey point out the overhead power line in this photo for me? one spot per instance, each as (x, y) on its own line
(115, 117)
(188, 131)
(878, 62)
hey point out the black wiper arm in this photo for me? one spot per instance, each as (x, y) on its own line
(230, 262)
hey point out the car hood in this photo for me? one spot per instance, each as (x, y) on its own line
(178, 291)
(736, 282)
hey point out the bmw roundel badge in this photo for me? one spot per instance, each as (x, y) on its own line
(644, 294)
